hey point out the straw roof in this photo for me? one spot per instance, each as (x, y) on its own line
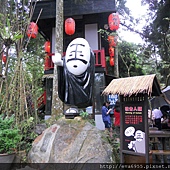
(134, 85)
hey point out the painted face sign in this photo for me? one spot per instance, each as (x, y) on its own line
(77, 56)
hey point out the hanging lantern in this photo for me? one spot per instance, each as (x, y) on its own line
(69, 26)
(113, 21)
(112, 40)
(32, 30)
(112, 62)
(4, 58)
(111, 51)
(47, 47)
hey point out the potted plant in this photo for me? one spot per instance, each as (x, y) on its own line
(9, 139)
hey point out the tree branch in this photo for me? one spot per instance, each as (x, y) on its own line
(133, 30)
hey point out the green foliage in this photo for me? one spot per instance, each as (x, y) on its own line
(130, 62)
(24, 67)
(8, 35)
(155, 53)
(28, 134)
(156, 32)
(9, 135)
(86, 116)
(105, 33)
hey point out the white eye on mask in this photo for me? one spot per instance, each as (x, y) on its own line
(77, 57)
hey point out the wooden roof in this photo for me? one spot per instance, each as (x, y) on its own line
(72, 8)
(134, 85)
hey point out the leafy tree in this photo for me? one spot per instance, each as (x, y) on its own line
(130, 64)
(20, 87)
(156, 33)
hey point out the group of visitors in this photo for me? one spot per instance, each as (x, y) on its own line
(111, 118)
(160, 119)
(107, 114)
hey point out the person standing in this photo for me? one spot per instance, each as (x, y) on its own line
(117, 118)
(164, 122)
(111, 113)
(157, 114)
(106, 117)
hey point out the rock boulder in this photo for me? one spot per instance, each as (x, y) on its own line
(71, 141)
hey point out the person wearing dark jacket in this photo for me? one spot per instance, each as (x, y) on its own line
(106, 117)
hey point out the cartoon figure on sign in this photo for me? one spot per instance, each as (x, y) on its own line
(76, 74)
(139, 144)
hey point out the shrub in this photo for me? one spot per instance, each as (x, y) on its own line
(9, 135)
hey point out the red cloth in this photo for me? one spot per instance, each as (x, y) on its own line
(117, 118)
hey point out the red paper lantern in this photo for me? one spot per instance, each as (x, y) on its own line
(111, 51)
(32, 30)
(47, 47)
(4, 58)
(69, 26)
(113, 21)
(112, 40)
(112, 62)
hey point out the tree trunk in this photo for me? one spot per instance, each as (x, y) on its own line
(116, 66)
(57, 105)
(2, 21)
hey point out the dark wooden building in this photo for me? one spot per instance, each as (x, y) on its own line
(89, 16)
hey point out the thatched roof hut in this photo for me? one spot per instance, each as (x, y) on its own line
(134, 85)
